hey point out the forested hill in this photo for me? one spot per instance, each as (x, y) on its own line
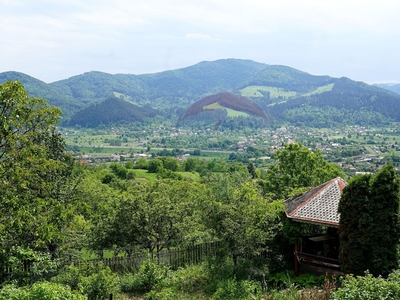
(111, 110)
(285, 94)
(394, 87)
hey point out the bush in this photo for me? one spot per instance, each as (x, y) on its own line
(100, 285)
(282, 279)
(41, 265)
(130, 174)
(191, 279)
(235, 289)
(368, 287)
(40, 291)
(96, 281)
(141, 163)
(70, 276)
(145, 279)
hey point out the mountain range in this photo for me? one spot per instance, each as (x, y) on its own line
(284, 93)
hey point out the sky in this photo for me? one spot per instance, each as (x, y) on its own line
(57, 39)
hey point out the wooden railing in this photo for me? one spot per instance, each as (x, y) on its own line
(316, 260)
(174, 258)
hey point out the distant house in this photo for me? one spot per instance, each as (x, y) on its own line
(318, 206)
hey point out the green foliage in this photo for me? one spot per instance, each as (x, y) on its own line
(282, 279)
(100, 284)
(315, 100)
(151, 214)
(297, 167)
(145, 279)
(170, 163)
(95, 281)
(111, 110)
(41, 266)
(71, 275)
(141, 163)
(37, 189)
(243, 220)
(119, 170)
(368, 287)
(369, 224)
(227, 100)
(130, 175)
(129, 165)
(40, 291)
(154, 165)
(237, 289)
(108, 178)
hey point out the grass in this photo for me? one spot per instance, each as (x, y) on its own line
(146, 175)
(231, 112)
(88, 255)
(125, 97)
(194, 176)
(319, 90)
(254, 91)
(213, 106)
(153, 176)
(236, 113)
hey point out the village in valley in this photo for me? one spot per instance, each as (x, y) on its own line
(356, 149)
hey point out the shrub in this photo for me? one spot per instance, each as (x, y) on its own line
(282, 279)
(368, 287)
(70, 276)
(40, 291)
(145, 279)
(100, 285)
(235, 289)
(96, 281)
(189, 280)
(130, 174)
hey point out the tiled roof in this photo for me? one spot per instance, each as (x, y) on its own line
(318, 205)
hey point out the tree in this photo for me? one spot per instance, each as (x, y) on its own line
(36, 186)
(170, 163)
(238, 215)
(155, 215)
(141, 163)
(297, 167)
(154, 165)
(369, 225)
(244, 222)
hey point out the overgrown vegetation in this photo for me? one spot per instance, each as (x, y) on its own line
(54, 209)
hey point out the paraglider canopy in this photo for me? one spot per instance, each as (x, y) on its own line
(225, 100)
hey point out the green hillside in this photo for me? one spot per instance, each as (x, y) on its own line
(111, 110)
(394, 87)
(284, 93)
(37, 88)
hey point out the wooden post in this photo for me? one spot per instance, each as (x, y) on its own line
(296, 262)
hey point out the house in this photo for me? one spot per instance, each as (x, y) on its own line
(318, 206)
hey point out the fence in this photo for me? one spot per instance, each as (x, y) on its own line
(175, 258)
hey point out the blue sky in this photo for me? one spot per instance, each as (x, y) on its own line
(54, 39)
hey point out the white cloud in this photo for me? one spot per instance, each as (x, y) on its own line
(197, 36)
(54, 39)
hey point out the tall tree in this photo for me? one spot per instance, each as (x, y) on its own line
(297, 167)
(35, 185)
(369, 225)
(154, 215)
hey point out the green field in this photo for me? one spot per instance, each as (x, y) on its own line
(231, 112)
(254, 91)
(144, 174)
(319, 90)
(122, 96)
